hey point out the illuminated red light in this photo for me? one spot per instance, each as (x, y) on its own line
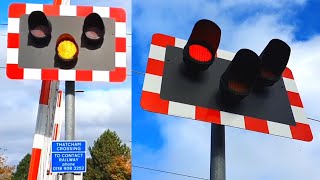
(200, 53)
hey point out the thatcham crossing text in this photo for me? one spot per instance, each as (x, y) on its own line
(68, 146)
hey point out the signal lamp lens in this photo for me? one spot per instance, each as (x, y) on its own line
(267, 74)
(274, 59)
(239, 78)
(39, 29)
(93, 33)
(67, 48)
(238, 86)
(93, 28)
(198, 54)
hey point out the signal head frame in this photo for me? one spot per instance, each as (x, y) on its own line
(151, 99)
(18, 10)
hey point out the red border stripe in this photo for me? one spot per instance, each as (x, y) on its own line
(13, 40)
(14, 72)
(294, 99)
(49, 74)
(208, 115)
(118, 14)
(155, 67)
(256, 124)
(83, 75)
(163, 40)
(154, 103)
(301, 132)
(16, 10)
(51, 10)
(84, 10)
(120, 44)
(118, 75)
(287, 73)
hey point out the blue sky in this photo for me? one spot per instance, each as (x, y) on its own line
(5, 4)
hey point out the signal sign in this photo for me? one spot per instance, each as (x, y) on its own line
(68, 156)
(73, 43)
(171, 88)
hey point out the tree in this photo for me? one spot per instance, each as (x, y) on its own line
(22, 168)
(5, 170)
(120, 168)
(110, 159)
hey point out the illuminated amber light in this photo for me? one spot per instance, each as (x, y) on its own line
(67, 50)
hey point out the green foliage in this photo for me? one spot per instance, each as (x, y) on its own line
(22, 168)
(108, 156)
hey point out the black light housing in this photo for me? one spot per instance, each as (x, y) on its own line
(39, 28)
(199, 52)
(239, 78)
(93, 30)
(274, 59)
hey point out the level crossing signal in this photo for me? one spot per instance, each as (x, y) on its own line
(195, 79)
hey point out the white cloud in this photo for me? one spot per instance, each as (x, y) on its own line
(18, 110)
(249, 155)
(255, 33)
(96, 111)
(269, 3)
(3, 45)
(259, 156)
(176, 18)
(99, 110)
(303, 63)
(185, 150)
